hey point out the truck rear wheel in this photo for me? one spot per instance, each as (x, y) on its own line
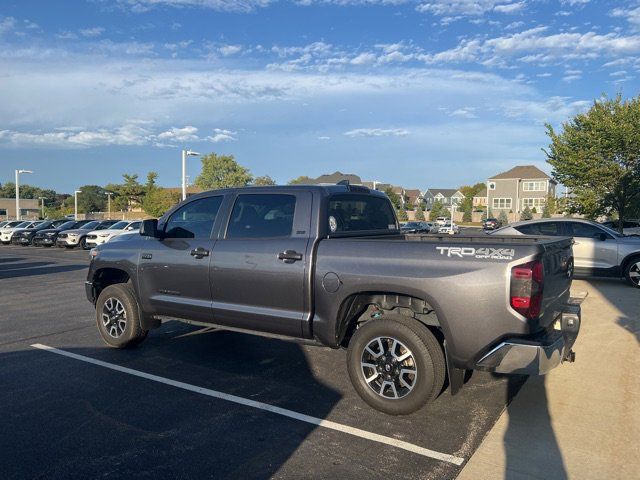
(118, 317)
(395, 364)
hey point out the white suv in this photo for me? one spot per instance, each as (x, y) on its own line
(7, 231)
(98, 237)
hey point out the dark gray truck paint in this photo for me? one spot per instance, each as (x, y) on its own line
(457, 285)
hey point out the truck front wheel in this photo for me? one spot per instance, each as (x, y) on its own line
(395, 364)
(118, 317)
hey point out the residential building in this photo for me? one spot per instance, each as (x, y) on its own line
(522, 186)
(446, 196)
(480, 198)
(29, 208)
(414, 197)
(336, 177)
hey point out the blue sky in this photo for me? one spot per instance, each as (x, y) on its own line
(417, 93)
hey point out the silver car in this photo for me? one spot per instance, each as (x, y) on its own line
(598, 250)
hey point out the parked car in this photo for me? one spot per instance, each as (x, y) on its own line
(7, 232)
(629, 227)
(597, 250)
(416, 227)
(491, 224)
(98, 237)
(449, 228)
(329, 264)
(48, 236)
(25, 237)
(441, 221)
(78, 237)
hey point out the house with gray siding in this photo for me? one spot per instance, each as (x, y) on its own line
(446, 196)
(522, 186)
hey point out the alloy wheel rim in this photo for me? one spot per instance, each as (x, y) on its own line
(389, 368)
(634, 273)
(114, 317)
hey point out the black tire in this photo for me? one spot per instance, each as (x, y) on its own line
(427, 358)
(83, 244)
(631, 272)
(116, 333)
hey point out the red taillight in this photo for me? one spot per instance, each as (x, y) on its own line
(527, 282)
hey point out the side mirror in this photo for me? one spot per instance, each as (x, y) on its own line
(602, 237)
(149, 228)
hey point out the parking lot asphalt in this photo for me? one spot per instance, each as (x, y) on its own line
(75, 417)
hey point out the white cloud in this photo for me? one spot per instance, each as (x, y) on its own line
(183, 134)
(469, 7)
(510, 7)
(229, 50)
(220, 5)
(544, 48)
(129, 134)
(363, 59)
(223, 135)
(465, 112)
(324, 138)
(7, 24)
(631, 15)
(92, 32)
(377, 132)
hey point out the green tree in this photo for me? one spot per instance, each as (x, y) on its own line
(157, 201)
(504, 220)
(526, 214)
(301, 180)
(222, 171)
(438, 210)
(546, 211)
(552, 204)
(92, 199)
(394, 197)
(402, 215)
(597, 156)
(265, 180)
(419, 215)
(466, 211)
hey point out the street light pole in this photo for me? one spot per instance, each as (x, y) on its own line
(18, 172)
(108, 204)
(185, 154)
(75, 209)
(42, 207)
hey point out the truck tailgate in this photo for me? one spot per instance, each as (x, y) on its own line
(558, 273)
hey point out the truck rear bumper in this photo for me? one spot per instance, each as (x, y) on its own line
(537, 355)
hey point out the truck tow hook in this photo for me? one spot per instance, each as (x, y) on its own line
(570, 356)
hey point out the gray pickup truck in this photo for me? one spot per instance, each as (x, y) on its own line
(328, 264)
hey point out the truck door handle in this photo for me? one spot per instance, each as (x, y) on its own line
(289, 256)
(200, 252)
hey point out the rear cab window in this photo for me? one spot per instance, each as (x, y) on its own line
(360, 213)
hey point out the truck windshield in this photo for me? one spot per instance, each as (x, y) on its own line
(360, 213)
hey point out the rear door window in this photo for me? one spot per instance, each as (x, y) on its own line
(360, 213)
(262, 216)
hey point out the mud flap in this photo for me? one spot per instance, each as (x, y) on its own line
(455, 375)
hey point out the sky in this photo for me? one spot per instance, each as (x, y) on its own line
(418, 93)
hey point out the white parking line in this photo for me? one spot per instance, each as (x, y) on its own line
(263, 406)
